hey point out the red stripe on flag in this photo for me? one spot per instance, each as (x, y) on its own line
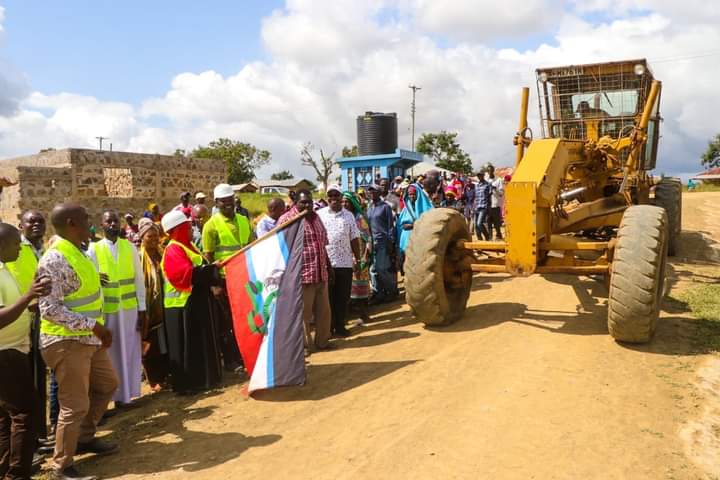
(236, 280)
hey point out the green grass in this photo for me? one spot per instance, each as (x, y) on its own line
(256, 203)
(703, 301)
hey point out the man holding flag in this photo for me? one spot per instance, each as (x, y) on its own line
(224, 234)
(267, 285)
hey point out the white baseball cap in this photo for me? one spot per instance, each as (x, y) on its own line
(200, 195)
(223, 191)
(334, 187)
(172, 219)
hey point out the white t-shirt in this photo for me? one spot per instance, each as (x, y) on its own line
(17, 334)
(341, 230)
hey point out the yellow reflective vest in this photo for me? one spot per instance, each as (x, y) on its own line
(228, 243)
(120, 289)
(86, 300)
(24, 268)
(174, 298)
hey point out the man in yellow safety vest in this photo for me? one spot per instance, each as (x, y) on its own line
(223, 235)
(123, 304)
(32, 228)
(74, 341)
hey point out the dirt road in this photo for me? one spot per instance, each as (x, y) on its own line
(527, 385)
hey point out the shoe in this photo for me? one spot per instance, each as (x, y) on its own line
(37, 462)
(342, 333)
(232, 367)
(125, 406)
(46, 449)
(70, 473)
(327, 347)
(97, 446)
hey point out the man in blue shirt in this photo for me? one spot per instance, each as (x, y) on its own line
(483, 191)
(383, 276)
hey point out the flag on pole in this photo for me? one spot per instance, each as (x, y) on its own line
(265, 291)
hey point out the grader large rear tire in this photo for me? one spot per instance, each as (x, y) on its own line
(668, 194)
(436, 284)
(638, 274)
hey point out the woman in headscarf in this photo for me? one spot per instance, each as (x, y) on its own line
(416, 203)
(190, 324)
(153, 213)
(360, 290)
(154, 350)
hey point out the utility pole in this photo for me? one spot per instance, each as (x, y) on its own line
(414, 88)
(100, 139)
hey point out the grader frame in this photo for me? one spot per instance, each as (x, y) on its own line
(567, 200)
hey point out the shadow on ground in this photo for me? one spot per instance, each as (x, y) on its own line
(168, 416)
(327, 380)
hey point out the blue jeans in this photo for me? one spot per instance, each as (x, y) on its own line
(383, 277)
(481, 227)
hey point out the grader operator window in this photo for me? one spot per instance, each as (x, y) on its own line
(591, 101)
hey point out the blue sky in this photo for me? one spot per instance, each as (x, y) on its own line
(129, 50)
(159, 75)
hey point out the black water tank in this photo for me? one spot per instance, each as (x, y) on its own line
(377, 133)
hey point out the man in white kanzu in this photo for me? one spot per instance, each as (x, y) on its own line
(343, 249)
(123, 305)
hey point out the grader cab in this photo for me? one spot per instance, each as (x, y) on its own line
(581, 201)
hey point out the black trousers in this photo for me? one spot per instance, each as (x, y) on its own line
(39, 371)
(340, 298)
(226, 333)
(494, 221)
(19, 415)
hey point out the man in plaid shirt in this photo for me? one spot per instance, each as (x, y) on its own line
(315, 272)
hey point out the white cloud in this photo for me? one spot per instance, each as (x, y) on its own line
(333, 60)
(473, 20)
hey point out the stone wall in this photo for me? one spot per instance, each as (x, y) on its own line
(102, 180)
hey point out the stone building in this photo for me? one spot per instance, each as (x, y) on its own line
(100, 180)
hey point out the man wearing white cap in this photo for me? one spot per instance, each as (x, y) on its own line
(200, 198)
(223, 235)
(343, 250)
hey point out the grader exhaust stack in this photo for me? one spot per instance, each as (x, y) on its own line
(580, 202)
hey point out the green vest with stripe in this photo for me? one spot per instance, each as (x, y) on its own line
(174, 298)
(120, 289)
(228, 243)
(24, 268)
(87, 300)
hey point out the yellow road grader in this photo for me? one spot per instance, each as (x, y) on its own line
(581, 201)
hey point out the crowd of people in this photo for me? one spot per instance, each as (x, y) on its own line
(95, 315)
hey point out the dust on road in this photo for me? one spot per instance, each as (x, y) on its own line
(527, 385)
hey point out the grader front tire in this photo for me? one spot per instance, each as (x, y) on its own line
(437, 289)
(668, 194)
(638, 274)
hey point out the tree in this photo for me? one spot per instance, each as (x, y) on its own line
(180, 152)
(323, 166)
(242, 159)
(282, 175)
(711, 157)
(350, 151)
(445, 151)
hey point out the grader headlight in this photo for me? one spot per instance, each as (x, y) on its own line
(639, 69)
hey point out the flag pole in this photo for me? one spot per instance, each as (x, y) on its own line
(267, 235)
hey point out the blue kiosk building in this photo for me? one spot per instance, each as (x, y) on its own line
(359, 172)
(380, 157)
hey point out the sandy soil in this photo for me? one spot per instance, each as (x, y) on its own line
(528, 385)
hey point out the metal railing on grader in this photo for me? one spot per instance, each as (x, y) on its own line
(581, 201)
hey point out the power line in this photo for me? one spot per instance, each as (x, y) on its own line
(680, 58)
